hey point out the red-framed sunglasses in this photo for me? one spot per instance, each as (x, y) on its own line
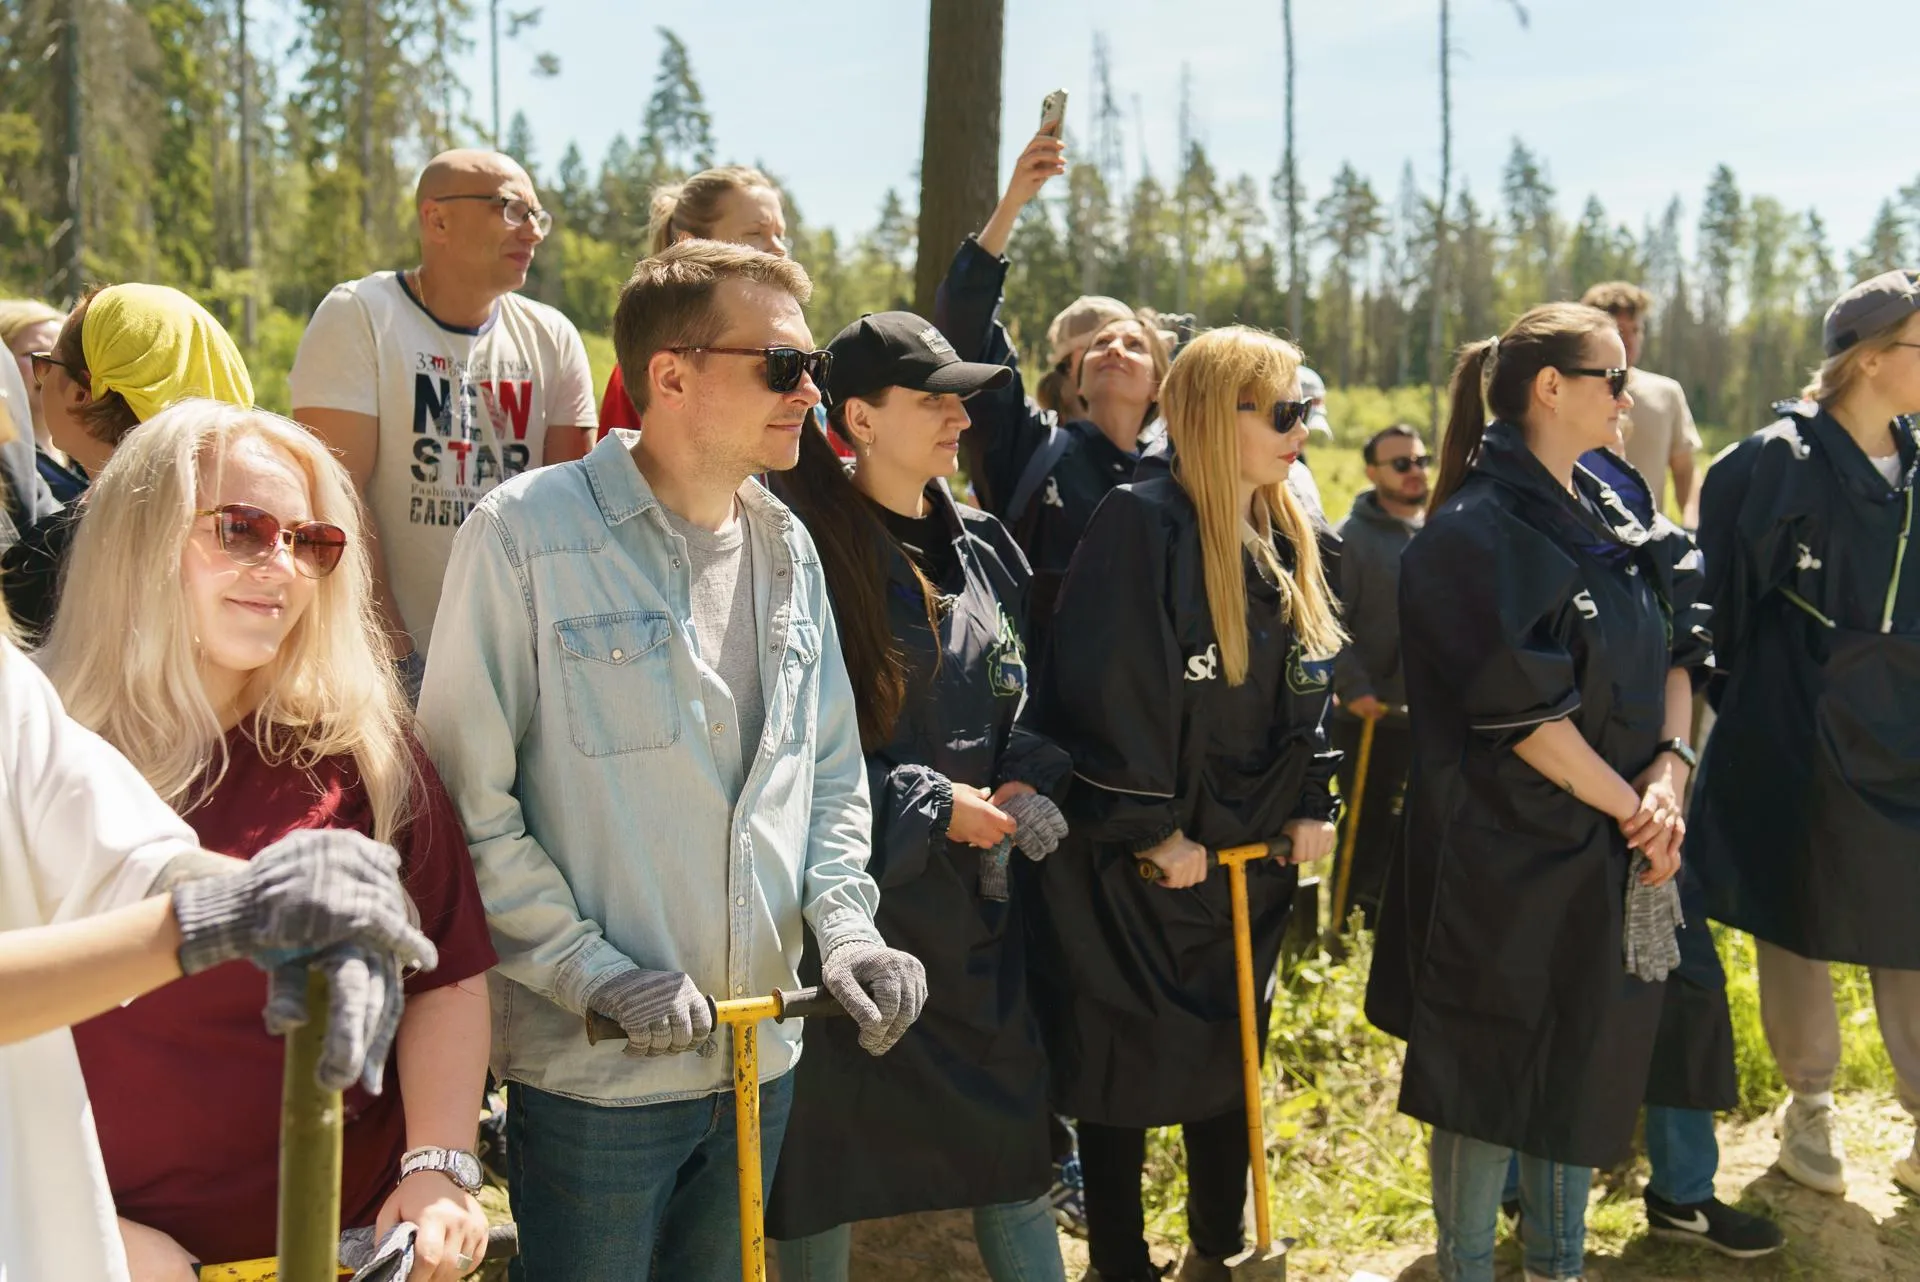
(251, 537)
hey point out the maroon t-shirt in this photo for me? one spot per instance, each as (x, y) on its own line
(185, 1082)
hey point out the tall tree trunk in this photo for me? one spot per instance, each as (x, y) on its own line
(960, 142)
(493, 26)
(369, 243)
(1296, 282)
(1435, 333)
(73, 255)
(1181, 168)
(249, 316)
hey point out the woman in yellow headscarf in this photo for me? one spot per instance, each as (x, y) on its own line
(125, 353)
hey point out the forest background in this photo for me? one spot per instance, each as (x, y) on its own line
(122, 157)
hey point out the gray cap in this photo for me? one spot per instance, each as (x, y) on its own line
(1314, 388)
(1871, 307)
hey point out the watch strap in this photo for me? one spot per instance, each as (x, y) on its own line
(447, 1161)
(1683, 750)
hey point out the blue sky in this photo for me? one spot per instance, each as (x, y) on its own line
(1635, 100)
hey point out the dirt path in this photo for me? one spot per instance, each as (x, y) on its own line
(1873, 1233)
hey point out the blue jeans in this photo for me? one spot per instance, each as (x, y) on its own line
(1468, 1177)
(1016, 1239)
(1683, 1152)
(606, 1194)
(1681, 1148)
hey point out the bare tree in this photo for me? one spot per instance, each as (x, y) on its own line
(1436, 321)
(960, 141)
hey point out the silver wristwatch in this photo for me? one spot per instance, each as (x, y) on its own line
(458, 1165)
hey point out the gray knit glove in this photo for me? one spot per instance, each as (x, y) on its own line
(308, 890)
(1653, 920)
(363, 1012)
(882, 988)
(1041, 825)
(662, 1012)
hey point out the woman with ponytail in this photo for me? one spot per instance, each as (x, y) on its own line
(930, 602)
(1194, 706)
(1549, 665)
(733, 203)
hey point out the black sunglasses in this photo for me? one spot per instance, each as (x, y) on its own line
(41, 360)
(250, 536)
(1407, 462)
(784, 364)
(1287, 415)
(1616, 378)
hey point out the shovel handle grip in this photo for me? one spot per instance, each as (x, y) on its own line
(1279, 847)
(799, 1003)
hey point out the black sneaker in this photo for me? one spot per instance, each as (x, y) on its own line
(1716, 1225)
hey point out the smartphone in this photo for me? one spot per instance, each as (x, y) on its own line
(1053, 111)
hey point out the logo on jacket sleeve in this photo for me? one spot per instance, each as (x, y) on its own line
(1583, 602)
(1204, 667)
(1807, 560)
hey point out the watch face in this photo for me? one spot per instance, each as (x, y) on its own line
(466, 1171)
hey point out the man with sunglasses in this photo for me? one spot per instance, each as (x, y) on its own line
(1367, 676)
(637, 699)
(434, 385)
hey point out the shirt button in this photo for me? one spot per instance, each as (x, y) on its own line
(676, 562)
(719, 728)
(739, 989)
(780, 574)
(619, 654)
(741, 901)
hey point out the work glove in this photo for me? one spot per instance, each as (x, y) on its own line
(363, 1012)
(305, 892)
(882, 988)
(1653, 918)
(1041, 825)
(661, 1011)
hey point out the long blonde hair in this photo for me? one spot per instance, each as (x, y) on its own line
(1201, 396)
(692, 207)
(122, 651)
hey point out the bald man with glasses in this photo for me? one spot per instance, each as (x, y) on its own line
(436, 383)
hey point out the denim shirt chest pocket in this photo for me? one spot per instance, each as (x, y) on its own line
(617, 672)
(800, 674)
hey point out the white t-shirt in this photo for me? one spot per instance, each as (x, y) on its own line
(80, 832)
(1659, 426)
(371, 348)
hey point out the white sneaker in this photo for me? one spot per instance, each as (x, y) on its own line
(1906, 1171)
(1810, 1151)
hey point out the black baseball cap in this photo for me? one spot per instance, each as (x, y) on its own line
(899, 349)
(1871, 307)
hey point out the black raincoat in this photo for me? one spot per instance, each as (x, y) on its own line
(1135, 984)
(1081, 464)
(955, 1115)
(1500, 953)
(1805, 824)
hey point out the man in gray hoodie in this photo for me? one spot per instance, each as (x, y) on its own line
(1367, 675)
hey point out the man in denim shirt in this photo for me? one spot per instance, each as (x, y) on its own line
(607, 628)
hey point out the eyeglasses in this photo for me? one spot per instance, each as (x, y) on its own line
(1287, 415)
(1407, 462)
(41, 360)
(1616, 378)
(784, 364)
(250, 537)
(517, 211)
(1916, 345)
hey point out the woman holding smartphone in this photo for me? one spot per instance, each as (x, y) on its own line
(1200, 725)
(1550, 694)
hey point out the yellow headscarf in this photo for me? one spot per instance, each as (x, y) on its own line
(155, 346)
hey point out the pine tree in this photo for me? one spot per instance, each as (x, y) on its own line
(676, 135)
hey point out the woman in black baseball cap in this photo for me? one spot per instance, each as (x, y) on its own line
(930, 601)
(1805, 826)
(1194, 704)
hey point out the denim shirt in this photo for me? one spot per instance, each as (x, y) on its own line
(585, 741)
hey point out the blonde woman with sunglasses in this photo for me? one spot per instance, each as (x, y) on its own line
(1201, 725)
(217, 628)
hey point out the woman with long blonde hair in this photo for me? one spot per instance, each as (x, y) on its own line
(217, 628)
(1198, 723)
